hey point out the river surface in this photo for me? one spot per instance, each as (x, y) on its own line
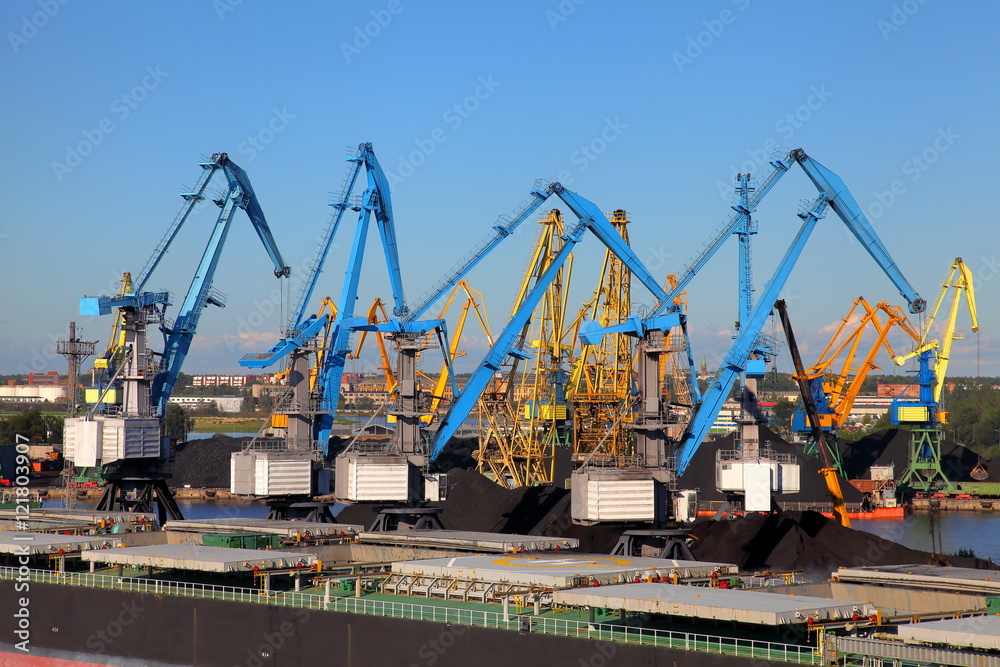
(978, 531)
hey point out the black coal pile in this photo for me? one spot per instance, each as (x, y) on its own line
(806, 541)
(457, 453)
(892, 446)
(701, 473)
(478, 504)
(204, 463)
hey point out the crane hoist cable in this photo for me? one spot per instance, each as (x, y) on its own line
(828, 471)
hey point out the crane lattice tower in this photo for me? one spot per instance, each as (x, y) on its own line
(523, 414)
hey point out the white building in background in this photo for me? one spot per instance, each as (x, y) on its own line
(224, 380)
(41, 392)
(224, 403)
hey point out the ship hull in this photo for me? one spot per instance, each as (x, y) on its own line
(85, 626)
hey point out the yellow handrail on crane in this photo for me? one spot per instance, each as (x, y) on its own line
(962, 286)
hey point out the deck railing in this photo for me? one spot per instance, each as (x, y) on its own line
(599, 631)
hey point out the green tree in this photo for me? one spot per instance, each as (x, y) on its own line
(177, 424)
(32, 425)
(781, 416)
(183, 381)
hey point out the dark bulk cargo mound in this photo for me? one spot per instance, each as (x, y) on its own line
(204, 463)
(892, 446)
(805, 541)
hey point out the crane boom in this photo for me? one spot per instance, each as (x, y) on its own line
(828, 471)
(845, 206)
(732, 223)
(191, 199)
(505, 227)
(199, 294)
(739, 353)
(296, 323)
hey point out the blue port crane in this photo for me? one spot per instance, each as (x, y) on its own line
(835, 195)
(336, 326)
(125, 435)
(304, 329)
(178, 336)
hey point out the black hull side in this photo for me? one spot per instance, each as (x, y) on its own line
(120, 628)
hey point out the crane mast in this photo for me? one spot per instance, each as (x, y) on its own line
(924, 415)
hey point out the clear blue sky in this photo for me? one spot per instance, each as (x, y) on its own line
(110, 106)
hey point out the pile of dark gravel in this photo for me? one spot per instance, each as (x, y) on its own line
(204, 463)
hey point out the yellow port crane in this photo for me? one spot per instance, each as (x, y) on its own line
(522, 414)
(960, 282)
(113, 353)
(600, 385)
(473, 303)
(924, 415)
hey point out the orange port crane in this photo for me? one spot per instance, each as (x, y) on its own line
(834, 391)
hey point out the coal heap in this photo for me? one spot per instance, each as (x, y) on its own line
(892, 446)
(204, 463)
(475, 503)
(806, 541)
(701, 472)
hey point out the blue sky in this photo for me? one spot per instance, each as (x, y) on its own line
(647, 106)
